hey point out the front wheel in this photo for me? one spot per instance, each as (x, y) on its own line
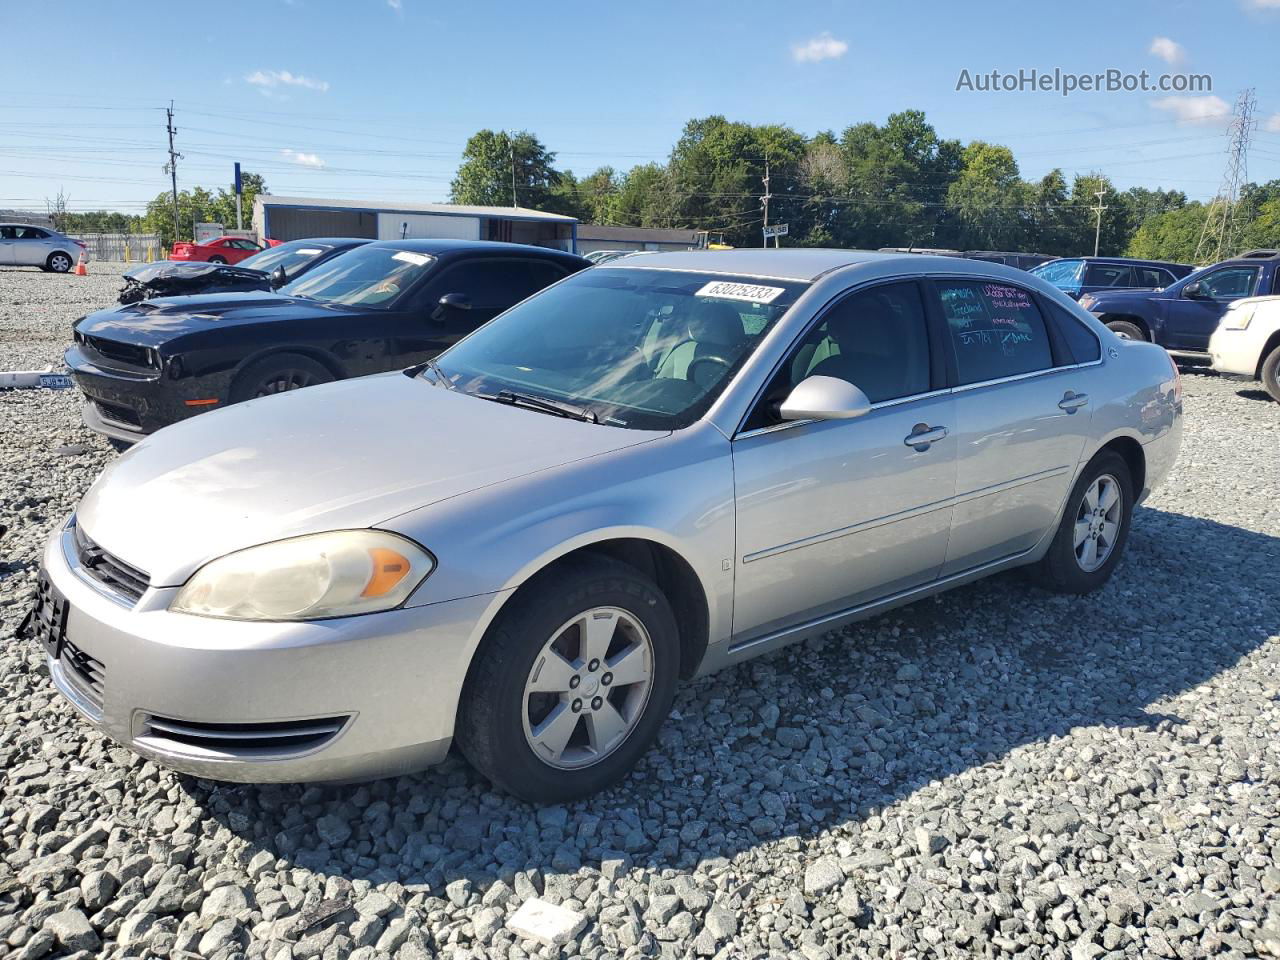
(278, 373)
(1271, 374)
(1094, 528)
(1126, 330)
(571, 683)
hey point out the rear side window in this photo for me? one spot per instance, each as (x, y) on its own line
(996, 329)
(1063, 274)
(1152, 277)
(1108, 275)
(1082, 345)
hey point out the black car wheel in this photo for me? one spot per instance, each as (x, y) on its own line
(59, 262)
(278, 373)
(1271, 374)
(571, 683)
(217, 259)
(1126, 330)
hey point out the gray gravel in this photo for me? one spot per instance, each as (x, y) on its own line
(998, 771)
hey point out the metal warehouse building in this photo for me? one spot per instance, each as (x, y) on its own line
(296, 218)
(595, 237)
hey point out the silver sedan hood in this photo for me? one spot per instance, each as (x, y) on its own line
(344, 455)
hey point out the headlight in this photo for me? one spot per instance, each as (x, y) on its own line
(1238, 319)
(1087, 301)
(307, 578)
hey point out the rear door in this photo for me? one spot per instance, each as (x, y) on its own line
(1022, 415)
(1192, 320)
(1106, 276)
(31, 246)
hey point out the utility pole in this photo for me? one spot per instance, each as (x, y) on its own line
(511, 141)
(1097, 233)
(1217, 239)
(764, 241)
(174, 157)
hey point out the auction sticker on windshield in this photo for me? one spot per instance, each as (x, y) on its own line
(417, 259)
(750, 292)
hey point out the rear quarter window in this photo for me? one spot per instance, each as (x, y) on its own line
(996, 330)
(1081, 343)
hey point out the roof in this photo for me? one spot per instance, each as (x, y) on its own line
(442, 245)
(792, 263)
(399, 206)
(594, 231)
(1130, 261)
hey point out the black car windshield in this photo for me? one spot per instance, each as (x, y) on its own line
(371, 276)
(293, 256)
(640, 348)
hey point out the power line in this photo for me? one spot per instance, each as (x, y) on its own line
(1216, 239)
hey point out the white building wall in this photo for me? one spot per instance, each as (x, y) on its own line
(427, 226)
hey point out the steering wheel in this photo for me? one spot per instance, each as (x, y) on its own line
(688, 374)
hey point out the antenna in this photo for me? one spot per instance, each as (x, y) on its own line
(1220, 223)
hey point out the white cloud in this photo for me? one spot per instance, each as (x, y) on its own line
(302, 159)
(1262, 4)
(1170, 51)
(822, 47)
(271, 79)
(396, 5)
(1207, 111)
(1272, 123)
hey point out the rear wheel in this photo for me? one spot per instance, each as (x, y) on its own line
(1126, 330)
(217, 259)
(1094, 528)
(59, 262)
(1271, 373)
(278, 373)
(571, 683)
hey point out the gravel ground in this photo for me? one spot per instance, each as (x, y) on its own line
(998, 771)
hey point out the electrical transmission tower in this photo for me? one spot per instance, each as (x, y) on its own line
(1218, 237)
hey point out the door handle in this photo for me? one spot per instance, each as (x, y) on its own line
(922, 435)
(1073, 402)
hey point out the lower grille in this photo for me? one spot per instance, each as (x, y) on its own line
(83, 672)
(118, 416)
(107, 569)
(240, 740)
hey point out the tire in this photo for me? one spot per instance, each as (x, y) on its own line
(1270, 374)
(278, 373)
(499, 719)
(59, 262)
(119, 446)
(1063, 569)
(217, 259)
(1126, 330)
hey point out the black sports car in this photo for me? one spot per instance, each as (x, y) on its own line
(382, 306)
(272, 268)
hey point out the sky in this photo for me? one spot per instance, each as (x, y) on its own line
(375, 99)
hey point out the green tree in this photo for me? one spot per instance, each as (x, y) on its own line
(644, 198)
(1172, 235)
(199, 205)
(486, 175)
(988, 200)
(1083, 223)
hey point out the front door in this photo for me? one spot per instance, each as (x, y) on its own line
(1021, 418)
(7, 244)
(835, 513)
(1192, 320)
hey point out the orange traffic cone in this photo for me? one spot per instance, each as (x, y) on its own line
(80, 270)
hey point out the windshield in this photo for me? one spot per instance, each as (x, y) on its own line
(293, 256)
(645, 349)
(1063, 274)
(370, 276)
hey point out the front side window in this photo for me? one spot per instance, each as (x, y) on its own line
(364, 277)
(1108, 275)
(645, 349)
(996, 329)
(1063, 274)
(30, 233)
(1231, 283)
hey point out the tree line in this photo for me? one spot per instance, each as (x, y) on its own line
(873, 185)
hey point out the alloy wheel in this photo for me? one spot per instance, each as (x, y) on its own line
(1098, 520)
(588, 688)
(284, 381)
(60, 263)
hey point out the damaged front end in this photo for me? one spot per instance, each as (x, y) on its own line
(170, 279)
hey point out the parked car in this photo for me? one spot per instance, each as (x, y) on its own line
(217, 250)
(25, 245)
(1076, 276)
(381, 306)
(1247, 342)
(648, 471)
(265, 270)
(1023, 261)
(1184, 314)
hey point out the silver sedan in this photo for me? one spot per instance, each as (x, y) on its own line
(26, 245)
(651, 470)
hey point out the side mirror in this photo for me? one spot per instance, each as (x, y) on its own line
(456, 301)
(278, 278)
(824, 398)
(1193, 290)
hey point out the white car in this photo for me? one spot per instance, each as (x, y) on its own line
(1247, 342)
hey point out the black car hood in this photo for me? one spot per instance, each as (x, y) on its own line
(174, 279)
(153, 322)
(177, 271)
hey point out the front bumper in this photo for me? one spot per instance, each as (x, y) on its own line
(1233, 352)
(378, 693)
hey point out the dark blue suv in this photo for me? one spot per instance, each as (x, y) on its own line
(1076, 276)
(1184, 315)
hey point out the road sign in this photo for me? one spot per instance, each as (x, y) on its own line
(776, 230)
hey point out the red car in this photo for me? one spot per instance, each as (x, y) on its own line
(219, 250)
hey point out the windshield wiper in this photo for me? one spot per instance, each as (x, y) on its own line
(559, 408)
(435, 368)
